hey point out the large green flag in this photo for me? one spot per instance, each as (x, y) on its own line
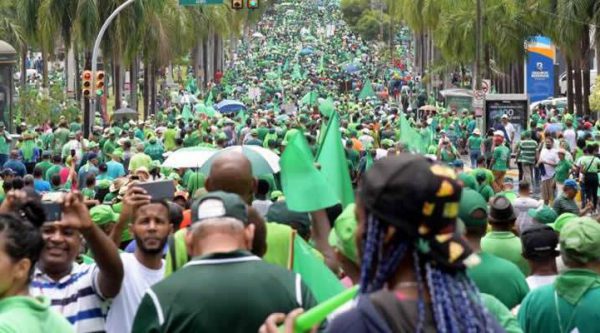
(326, 107)
(304, 187)
(310, 98)
(410, 137)
(334, 165)
(367, 90)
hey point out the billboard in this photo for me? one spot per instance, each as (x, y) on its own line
(539, 68)
(514, 106)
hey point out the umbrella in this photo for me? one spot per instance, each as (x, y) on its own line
(428, 108)
(306, 51)
(230, 106)
(123, 113)
(352, 68)
(258, 35)
(191, 157)
(263, 160)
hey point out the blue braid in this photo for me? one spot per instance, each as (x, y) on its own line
(421, 288)
(436, 304)
(372, 241)
(471, 289)
(386, 268)
(441, 295)
(461, 301)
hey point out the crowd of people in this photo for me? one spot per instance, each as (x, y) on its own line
(432, 244)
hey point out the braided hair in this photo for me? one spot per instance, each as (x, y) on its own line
(455, 300)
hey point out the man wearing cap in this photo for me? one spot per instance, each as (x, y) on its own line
(588, 167)
(565, 203)
(45, 163)
(500, 164)
(541, 215)
(89, 168)
(522, 204)
(110, 144)
(501, 241)
(15, 164)
(212, 292)
(570, 304)
(140, 159)
(491, 269)
(547, 161)
(154, 149)
(474, 145)
(114, 167)
(539, 248)
(509, 129)
(525, 155)
(563, 170)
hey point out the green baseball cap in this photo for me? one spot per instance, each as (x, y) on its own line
(103, 214)
(343, 235)
(562, 220)
(118, 153)
(580, 240)
(219, 204)
(469, 181)
(543, 214)
(472, 208)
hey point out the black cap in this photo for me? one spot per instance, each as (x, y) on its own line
(539, 242)
(421, 199)
(501, 210)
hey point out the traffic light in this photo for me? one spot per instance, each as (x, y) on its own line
(100, 80)
(237, 4)
(252, 4)
(86, 89)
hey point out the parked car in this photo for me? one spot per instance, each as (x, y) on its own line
(562, 81)
(560, 103)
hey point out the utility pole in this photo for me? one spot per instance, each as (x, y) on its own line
(478, 45)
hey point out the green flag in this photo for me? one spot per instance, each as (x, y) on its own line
(310, 98)
(334, 166)
(296, 75)
(304, 187)
(326, 107)
(410, 137)
(367, 90)
(322, 64)
(209, 99)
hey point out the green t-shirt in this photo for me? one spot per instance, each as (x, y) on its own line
(588, 163)
(501, 155)
(562, 170)
(502, 314)
(221, 281)
(545, 308)
(31, 315)
(486, 191)
(505, 244)
(499, 278)
(44, 165)
(563, 205)
(4, 145)
(53, 170)
(474, 142)
(527, 151)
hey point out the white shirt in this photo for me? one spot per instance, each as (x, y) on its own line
(536, 281)
(571, 138)
(137, 279)
(549, 156)
(510, 130)
(521, 205)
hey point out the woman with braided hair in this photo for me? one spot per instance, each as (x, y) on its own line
(413, 261)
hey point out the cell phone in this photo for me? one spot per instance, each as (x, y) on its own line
(159, 190)
(53, 211)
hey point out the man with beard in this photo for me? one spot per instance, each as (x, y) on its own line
(150, 227)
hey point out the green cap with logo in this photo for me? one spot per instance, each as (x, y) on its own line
(103, 214)
(543, 214)
(473, 208)
(219, 204)
(343, 235)
(580, 240)
(562, 220)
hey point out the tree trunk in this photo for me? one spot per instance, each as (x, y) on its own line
(44, 69)
(154, 71)
(23, 78)
(210, 68)
(578, 85)
(117, 80)
(133, 84)
(570, 97)
(146, 91)
(585, 71)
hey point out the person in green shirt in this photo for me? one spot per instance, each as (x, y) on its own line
(5, 141)
(55, 168)
(501, 241)
(109, 145)
(474, 144)
(562, 170)
(169, 137)
(500, 163)
(565, 203)
(570, 304)
(45, 163)
(219, 240)
(492, 275)
(21, 245)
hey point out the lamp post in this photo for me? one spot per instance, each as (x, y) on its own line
(91, 104)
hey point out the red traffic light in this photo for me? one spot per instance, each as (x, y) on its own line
(86, 75)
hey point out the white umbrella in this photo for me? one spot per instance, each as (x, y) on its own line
(258, 35)
(191, 157)
(263, 160)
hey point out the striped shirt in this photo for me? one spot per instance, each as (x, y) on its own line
(527, 150)
(76, 296)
